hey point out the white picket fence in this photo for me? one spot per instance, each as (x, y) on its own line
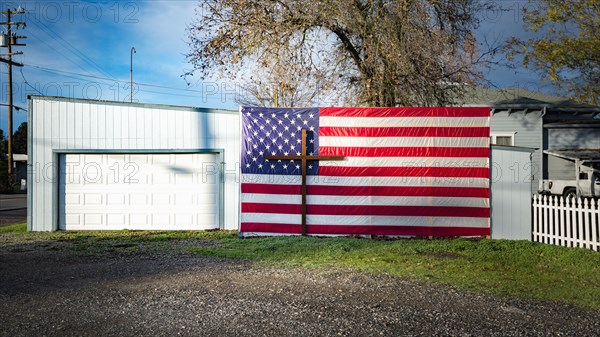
(570, 223)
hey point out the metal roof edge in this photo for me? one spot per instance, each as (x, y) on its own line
(572, 154)
(133, 104)
(514, 148)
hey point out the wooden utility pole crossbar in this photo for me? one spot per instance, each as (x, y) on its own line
(304, 158)
(16, 64)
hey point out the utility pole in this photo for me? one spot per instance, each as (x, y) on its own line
(131, 74)
(10, 39)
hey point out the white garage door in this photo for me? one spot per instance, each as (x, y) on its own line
(139, 191)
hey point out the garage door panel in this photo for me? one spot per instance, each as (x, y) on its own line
(159, 220)
(93, 199)
(73, 199)
(184, 219)
(171, 192)
(184, 179)
(93, 219)
(138, 219)
(138, 199)
(73, 219)
(115, 219)
(160, 199)
(162, 179)
(116, 199)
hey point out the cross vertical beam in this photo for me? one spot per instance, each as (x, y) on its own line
(304, 157)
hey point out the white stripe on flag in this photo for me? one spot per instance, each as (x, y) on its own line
(403, 121)
(403, 141)
(407, 162)
(366, 181)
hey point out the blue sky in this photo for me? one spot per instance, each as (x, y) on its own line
(82, 49)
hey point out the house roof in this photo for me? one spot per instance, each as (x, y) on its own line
(579, 123)
(523, 99)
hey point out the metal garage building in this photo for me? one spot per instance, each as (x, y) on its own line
(114, 165)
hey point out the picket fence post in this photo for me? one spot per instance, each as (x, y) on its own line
(535, 230)
(595, 223)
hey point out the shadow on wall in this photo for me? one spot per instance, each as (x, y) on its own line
(202, 134)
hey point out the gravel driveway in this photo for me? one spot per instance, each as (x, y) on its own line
(59, 288)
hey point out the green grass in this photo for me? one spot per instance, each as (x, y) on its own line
(513, 268)
(18, 228)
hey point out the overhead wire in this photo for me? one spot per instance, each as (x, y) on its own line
(104, 78)
(57, 51)
(56, 37)
(27, 83)
(78, 76)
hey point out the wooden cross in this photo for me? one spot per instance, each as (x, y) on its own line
(304, 158)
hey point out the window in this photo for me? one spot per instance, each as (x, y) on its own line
(506, 139)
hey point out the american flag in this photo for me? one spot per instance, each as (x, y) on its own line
(406, 171)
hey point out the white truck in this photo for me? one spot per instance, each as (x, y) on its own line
(589, 185)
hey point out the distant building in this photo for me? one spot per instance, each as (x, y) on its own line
(524, 118)
(20, 168)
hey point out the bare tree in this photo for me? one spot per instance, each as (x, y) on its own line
(374, 52)
(281, 83)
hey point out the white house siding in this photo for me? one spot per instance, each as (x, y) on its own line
(527, 129)
(63, 124)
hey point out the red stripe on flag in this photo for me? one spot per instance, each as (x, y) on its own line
(407, 112)
(365, 230)
(471, 152)
(345, 131)
(470, 212)
(408, 191)
(415, 171)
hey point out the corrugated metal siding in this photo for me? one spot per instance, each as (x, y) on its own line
(528, 128)
(64, 124)
(511, 195)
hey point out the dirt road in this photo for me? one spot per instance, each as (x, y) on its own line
(13, 209)
(61, 288)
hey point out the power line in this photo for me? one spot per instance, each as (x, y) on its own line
(68, 45)
(105, 79)
(25, 80)
(73, 75)
(14, 106)
(58, 51)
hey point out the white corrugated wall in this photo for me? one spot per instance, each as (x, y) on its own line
(511, 181)
(64, 124)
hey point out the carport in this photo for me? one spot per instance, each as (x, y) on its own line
(587, 157)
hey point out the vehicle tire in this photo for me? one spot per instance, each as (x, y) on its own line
(570, 194)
